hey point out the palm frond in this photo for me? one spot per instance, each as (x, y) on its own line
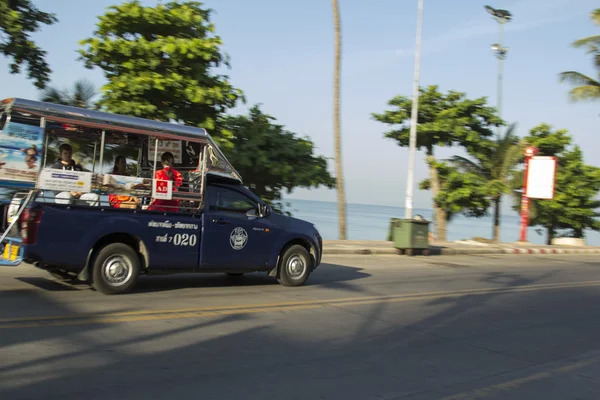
(587, 89)
(467, 165)
(512, 157)
(581, 93)
(54, 95)
(83, 93)
(577, 78)
(596, 16)
(591, 41)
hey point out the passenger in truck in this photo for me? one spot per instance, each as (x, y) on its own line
(66, 162)
(168, 173)
(120, 200)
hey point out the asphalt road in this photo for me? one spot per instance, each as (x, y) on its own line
(365, 327)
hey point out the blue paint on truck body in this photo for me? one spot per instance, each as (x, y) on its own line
(216, 238)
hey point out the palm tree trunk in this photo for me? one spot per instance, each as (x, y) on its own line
(336, 120)
(550, 233)
(496, 230)
(440, 216)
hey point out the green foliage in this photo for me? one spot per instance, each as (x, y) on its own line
(577, 185)
(18, 19)
(575, 204)
(158, 63)
(446, 120)
(586, 88)
(460, 192)
(547, 141)
(495, 160)
(270, 158)
(443, 120)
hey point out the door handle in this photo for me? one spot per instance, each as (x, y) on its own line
(220, 221)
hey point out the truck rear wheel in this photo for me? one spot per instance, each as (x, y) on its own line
(115, 269)
(296, 265)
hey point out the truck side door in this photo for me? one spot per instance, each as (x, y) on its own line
(172, 240)
(234, 237)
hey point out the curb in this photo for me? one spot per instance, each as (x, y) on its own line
(448, 252)
(392, 251)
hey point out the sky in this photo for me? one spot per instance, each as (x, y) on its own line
(282, 57)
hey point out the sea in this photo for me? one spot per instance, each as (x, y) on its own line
(372, 222)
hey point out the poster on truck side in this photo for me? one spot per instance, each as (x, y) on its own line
(162, 189)
(20, 152)
(65, 180)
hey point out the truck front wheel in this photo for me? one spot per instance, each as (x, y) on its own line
(115, 269)
(296, 265)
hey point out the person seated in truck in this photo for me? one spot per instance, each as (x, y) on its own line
(120, 166)
(120, 200)
(65, 159)
(168, 173)
(66, 162)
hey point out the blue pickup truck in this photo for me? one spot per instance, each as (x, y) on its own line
(218, 226)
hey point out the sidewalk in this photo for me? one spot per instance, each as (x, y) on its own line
(331, 247)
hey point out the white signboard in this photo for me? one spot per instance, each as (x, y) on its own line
(172, 146)
(162, 190)
(541, 173)
(65, 181)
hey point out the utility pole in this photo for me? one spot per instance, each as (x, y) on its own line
(412, 144)
(502, 17)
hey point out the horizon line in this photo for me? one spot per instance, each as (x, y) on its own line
(384, 205)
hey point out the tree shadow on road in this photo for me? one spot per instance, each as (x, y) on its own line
(423, 348)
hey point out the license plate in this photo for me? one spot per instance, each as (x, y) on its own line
(6, 253)
(11, 252)
(14, 252)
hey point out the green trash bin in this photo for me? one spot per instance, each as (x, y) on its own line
(410, 235)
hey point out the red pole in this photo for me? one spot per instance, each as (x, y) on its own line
(529, 152)
(524, 207)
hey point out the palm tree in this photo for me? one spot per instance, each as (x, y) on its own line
(588, 88)
(81, 96)
(336, 118)
(496, 164)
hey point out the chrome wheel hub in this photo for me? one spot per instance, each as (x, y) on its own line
(296, 266)
(117, 270)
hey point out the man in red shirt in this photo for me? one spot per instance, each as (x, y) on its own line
(168, 173)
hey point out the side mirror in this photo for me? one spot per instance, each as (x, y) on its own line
(263, 210)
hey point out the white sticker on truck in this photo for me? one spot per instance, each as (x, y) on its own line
(238, 238)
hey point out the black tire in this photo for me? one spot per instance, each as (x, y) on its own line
(409, 252)
(296, 265)
(125, 261)
(235, 274)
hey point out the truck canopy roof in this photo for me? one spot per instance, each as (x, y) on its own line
(126, 124)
